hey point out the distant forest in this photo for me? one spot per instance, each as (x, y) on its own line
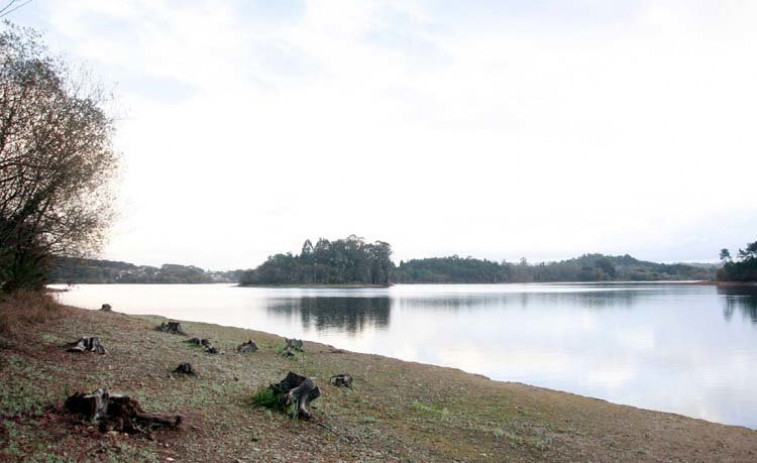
(353, 261)
(589, 267)
(72, 270)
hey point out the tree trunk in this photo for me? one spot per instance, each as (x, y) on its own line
(341, 380)
(298, 391)
(91, 344)
(118, 412)
(185, 369)
(248, 346)
(171, 327)
(295, 344)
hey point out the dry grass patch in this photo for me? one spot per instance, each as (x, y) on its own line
(24, 309)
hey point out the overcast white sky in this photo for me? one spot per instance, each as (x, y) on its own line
(496, 129)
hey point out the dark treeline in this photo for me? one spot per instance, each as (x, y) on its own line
(452, 269)
(743, 268)
(353, 261)
(344, 261)
(589, 267)
(72, 271)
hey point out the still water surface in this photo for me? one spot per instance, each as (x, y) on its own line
(687, 349)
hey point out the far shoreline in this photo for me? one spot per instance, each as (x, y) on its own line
(728, 284)
(51, 288)
(334, 286)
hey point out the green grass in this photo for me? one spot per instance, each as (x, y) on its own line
(127, 452)
(431, 409)
(266, 398)
(48, 458)
(20, 394)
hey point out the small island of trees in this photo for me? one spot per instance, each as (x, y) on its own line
(350, 261)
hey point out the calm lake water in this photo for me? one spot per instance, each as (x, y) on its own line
(687, 349)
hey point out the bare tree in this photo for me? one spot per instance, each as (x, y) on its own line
(11, 6)
(56, 162)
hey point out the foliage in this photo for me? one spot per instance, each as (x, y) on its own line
(76, 270)
(452, 269)
(344, 261)
(589, 267)
(266, 398)
(743, 268)
(352, 261)
(56, 162)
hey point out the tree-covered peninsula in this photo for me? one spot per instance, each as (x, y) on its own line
(69, 270)
(349, 261)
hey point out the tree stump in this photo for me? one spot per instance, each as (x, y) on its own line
(185, 369)
(248, 346)
(298, 391)
(118, 412)
(106, 308)
(87, 344)
(341, 380)
(171, 327)
(205, 343)
(294, 344)
(199, 342)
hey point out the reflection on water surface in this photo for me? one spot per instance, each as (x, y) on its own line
(742, 300)
(347, 314)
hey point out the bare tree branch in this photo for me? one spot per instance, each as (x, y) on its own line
(9, 8)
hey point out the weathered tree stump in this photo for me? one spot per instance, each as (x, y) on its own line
(341, 380)
(87, 344)
(199, 342)
(205, 343)
(248, 346)
(118, 412)
(298, 391)
(294, 344)
(185, 369)
(171, 327)
(106, 308)
(288, 353)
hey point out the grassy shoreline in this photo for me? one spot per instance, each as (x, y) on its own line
(397, 411)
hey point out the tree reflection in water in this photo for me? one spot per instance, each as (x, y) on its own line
(741, 299)
(350, 315)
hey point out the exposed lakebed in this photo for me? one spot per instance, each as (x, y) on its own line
(689, 349)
